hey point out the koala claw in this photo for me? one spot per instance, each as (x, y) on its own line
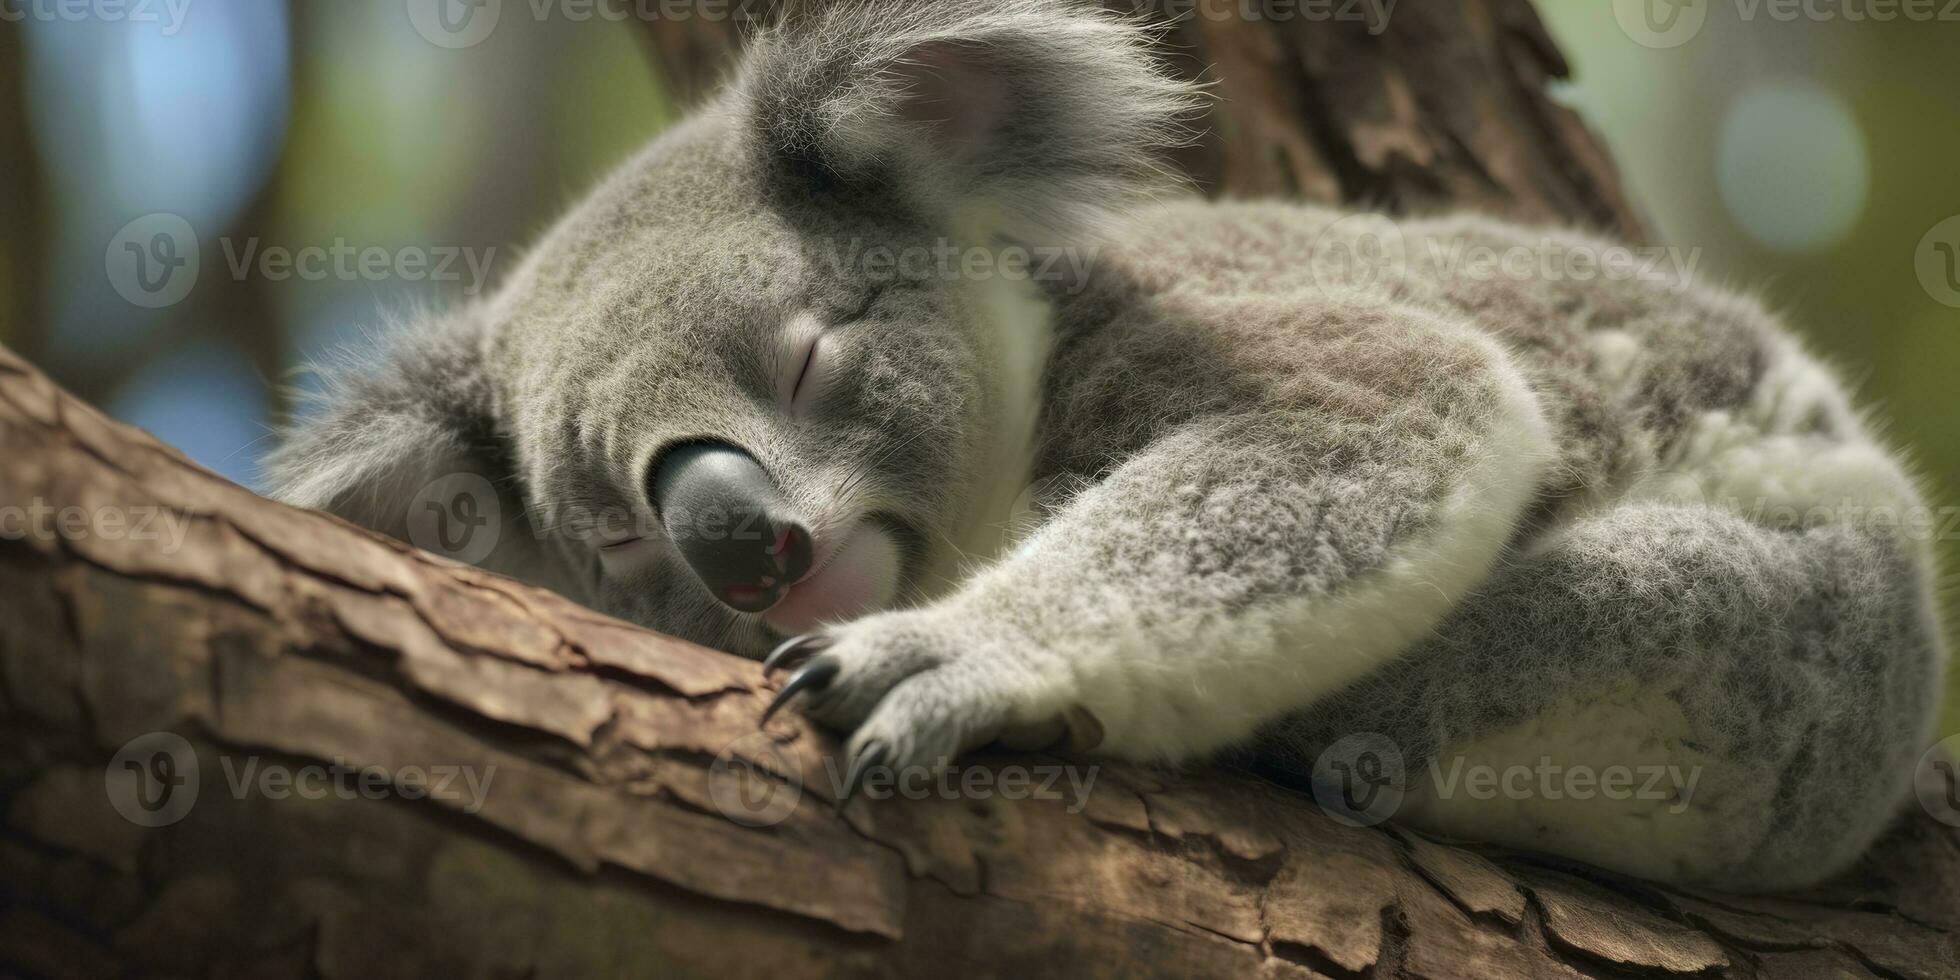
(869, 756)
(915, 690)
(795, 650)
(815, 677)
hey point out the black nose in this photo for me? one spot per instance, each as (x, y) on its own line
(731, 524)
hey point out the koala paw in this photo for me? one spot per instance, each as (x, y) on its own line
(912, 690)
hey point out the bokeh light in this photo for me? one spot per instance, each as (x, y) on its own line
(1793, 166)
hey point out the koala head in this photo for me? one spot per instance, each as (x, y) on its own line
(752, 384)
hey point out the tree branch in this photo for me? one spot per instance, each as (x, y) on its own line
(585, 823)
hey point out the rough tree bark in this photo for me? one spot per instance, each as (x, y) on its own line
(272, 640)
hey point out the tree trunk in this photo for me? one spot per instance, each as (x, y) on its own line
(246, 739)
(1444, 104)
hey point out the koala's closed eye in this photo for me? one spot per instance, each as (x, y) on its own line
(801, 367)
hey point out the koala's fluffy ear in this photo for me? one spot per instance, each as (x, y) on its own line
(402, 441)
(1037, 119)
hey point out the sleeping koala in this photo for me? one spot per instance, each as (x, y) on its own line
(902, 359)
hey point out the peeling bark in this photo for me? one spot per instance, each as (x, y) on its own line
(272, 639)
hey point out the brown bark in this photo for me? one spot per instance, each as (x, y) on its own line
(275, 639)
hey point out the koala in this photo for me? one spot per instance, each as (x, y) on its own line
(905, 359)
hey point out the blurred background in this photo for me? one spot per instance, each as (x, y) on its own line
(321, 169)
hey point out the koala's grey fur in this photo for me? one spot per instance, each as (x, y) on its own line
(1277, 500)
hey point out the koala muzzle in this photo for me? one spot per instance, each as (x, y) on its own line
(731, 524)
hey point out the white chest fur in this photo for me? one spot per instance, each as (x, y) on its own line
(1020, 336)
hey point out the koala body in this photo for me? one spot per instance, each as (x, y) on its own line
(1035, 442)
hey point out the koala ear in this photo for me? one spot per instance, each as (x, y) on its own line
(403, 441)
(1036, 119)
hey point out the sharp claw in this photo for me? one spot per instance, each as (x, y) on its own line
(868, 758)
(816, 676)
(794, 650)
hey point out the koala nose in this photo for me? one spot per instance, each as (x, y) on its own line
(730, 524)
